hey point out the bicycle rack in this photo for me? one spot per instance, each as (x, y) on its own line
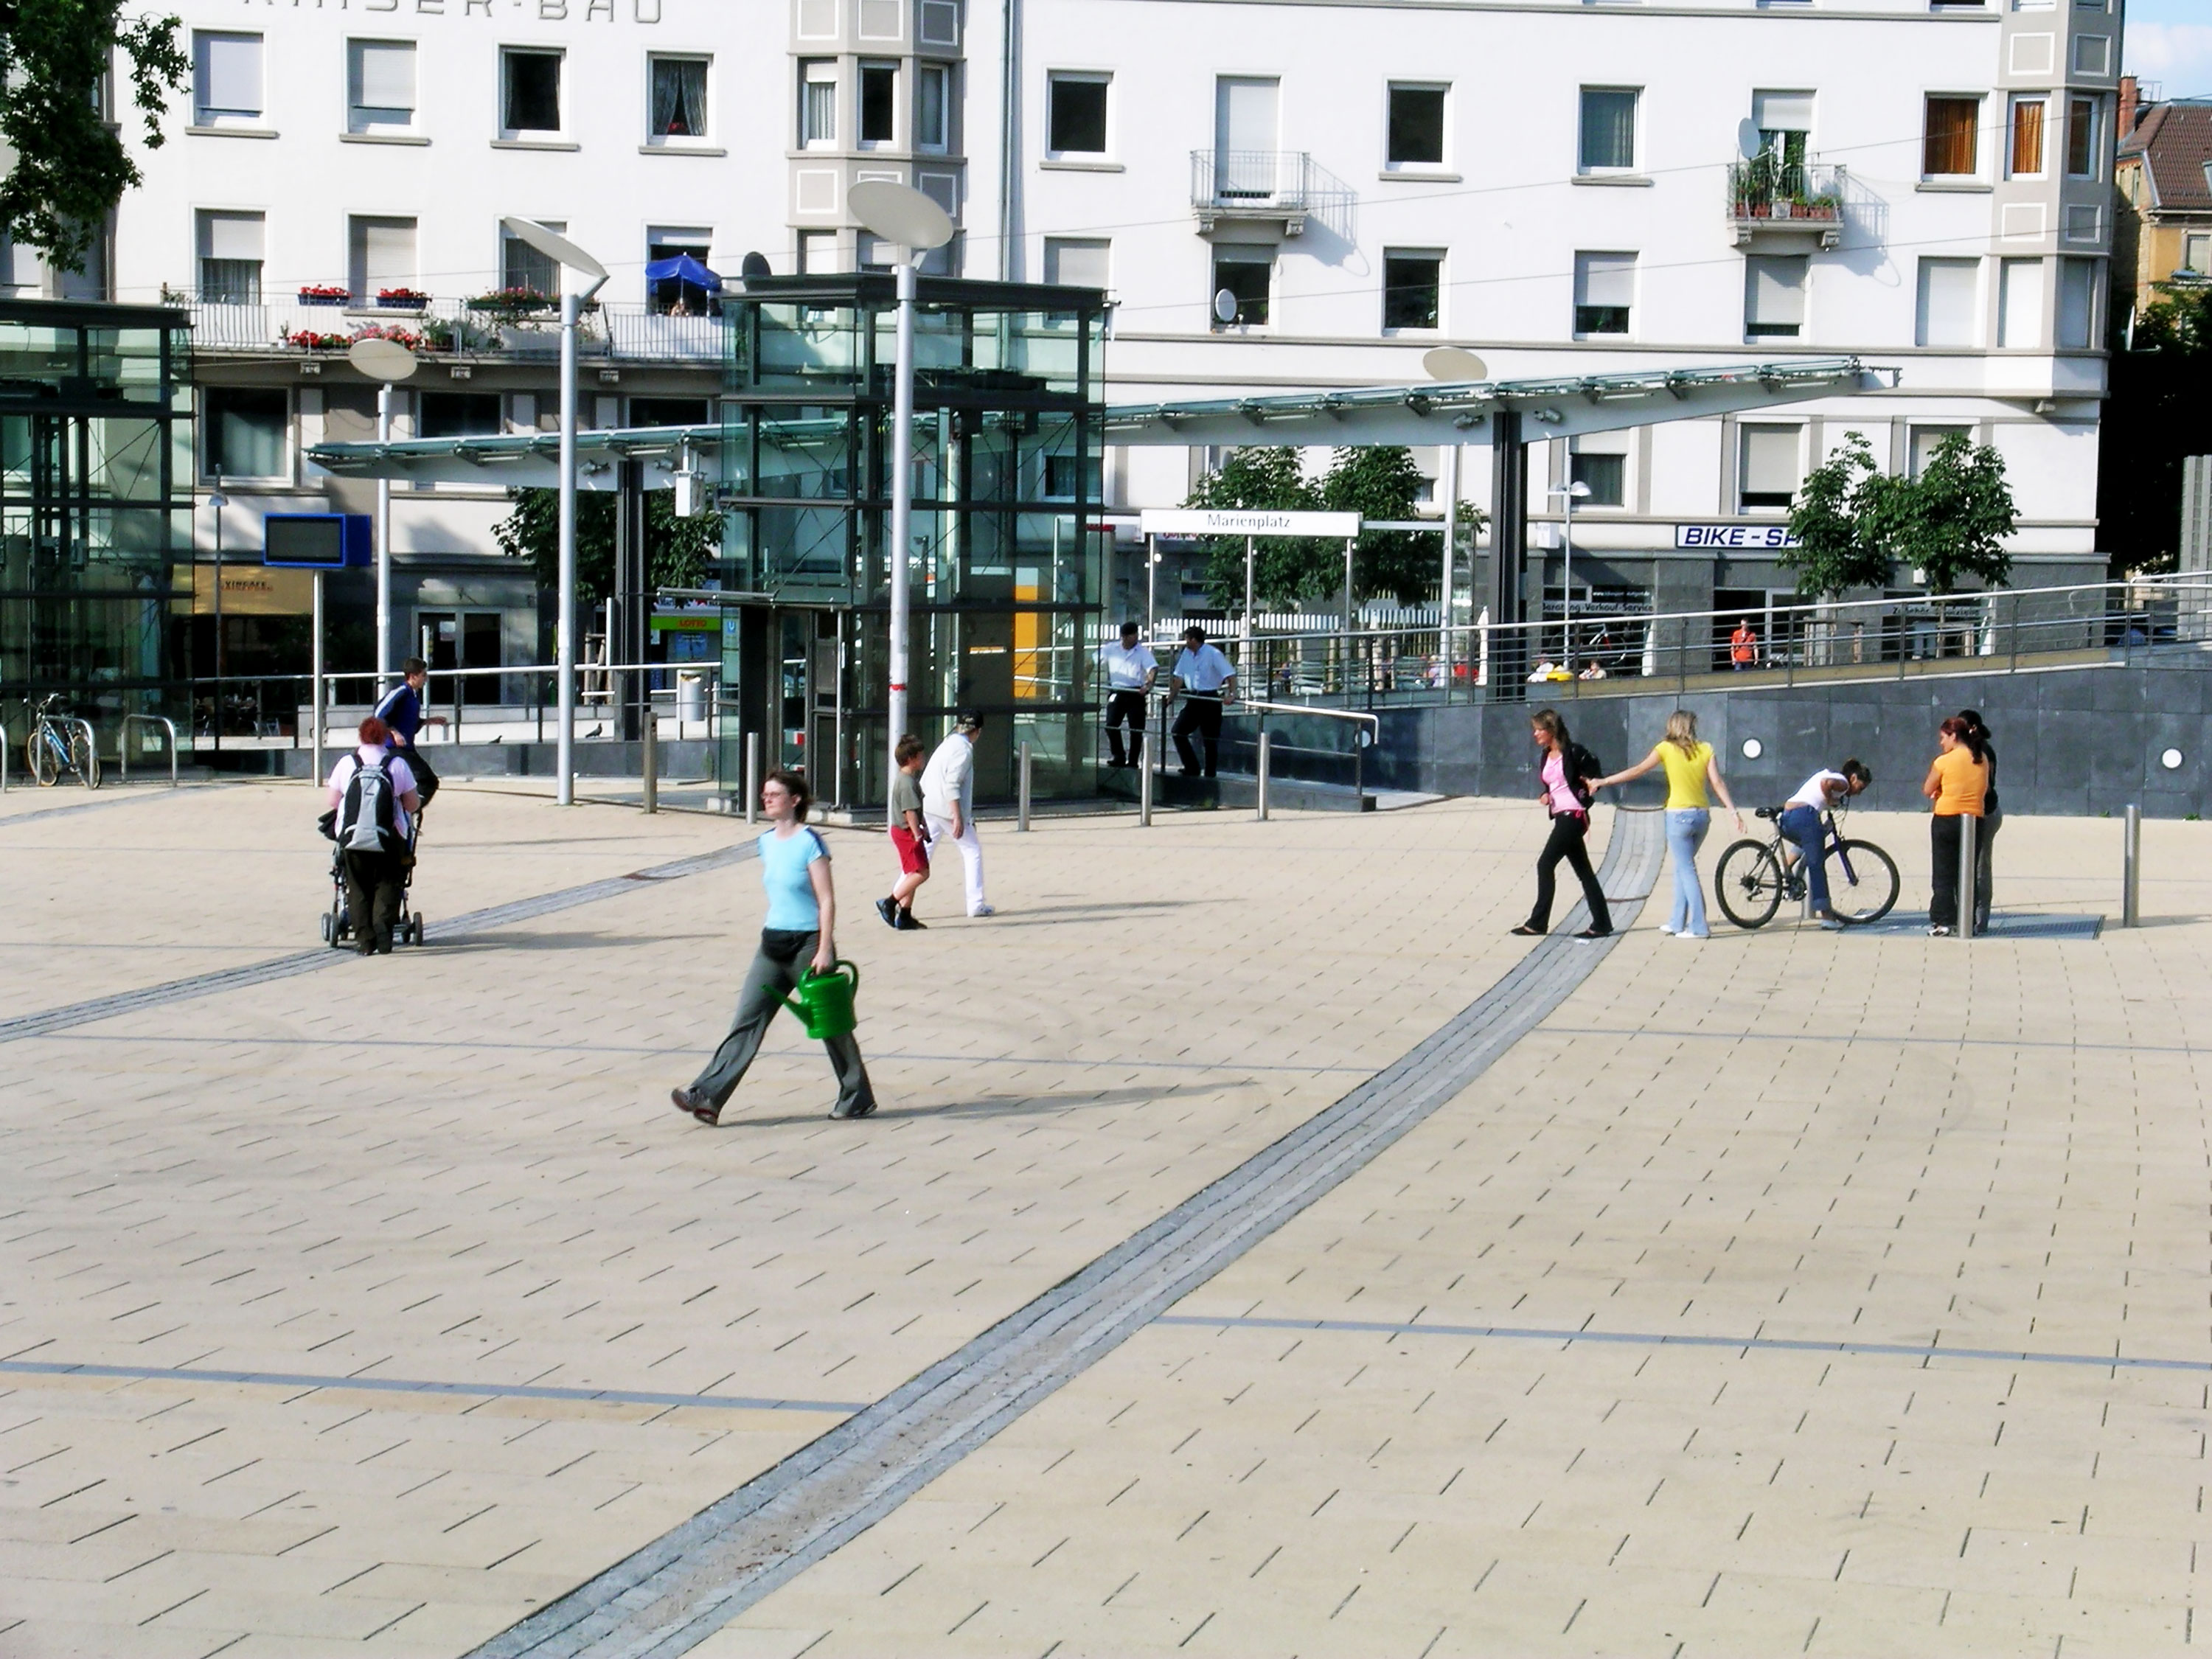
(123, 743)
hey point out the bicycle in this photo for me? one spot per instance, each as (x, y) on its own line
(1754, 876)
(57, 743)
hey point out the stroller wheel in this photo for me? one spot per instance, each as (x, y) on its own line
(417, 930)
(326, 928)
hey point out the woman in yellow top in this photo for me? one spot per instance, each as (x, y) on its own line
(1691, 765)
(1958, 783)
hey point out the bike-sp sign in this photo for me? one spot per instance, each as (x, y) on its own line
(1736, 537)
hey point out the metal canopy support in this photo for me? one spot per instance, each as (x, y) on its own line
(1508, 555)
(633, 597)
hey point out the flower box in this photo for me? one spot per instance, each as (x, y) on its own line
(401, 299)
(325, 297)
(308, 339)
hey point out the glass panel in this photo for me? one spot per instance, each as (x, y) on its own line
(1416, 127)
(1609, 128)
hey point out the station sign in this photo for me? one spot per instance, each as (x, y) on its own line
(317, 541)
(1206, 521)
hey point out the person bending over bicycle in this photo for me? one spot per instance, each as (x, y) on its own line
(1802, 820)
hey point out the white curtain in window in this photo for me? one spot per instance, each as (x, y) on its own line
(1077, 261)
(384, 76)
(2020, 303)
(1605, 279)
(1770, 459)
(1774, 292)
(1950, 294)
(227, 70)
(1608, 127)
(819, 106)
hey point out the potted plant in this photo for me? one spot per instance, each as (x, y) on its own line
(324, 294)
(308, 339)
(512, 304)
(401, 299)
(413, 340)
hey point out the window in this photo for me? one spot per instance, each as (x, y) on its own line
(530, 91)
(818, 252)
(2085, 221)
(1078, 261)
(1948, 148)
(878, 104)
(679, 99)
(2197, 253)
(2082, 126)
(870, 251)
(2077, 304)
(1774, 295)
(1075, 114)
(1923, 441)
(379, 85)
(1769, 470)
(245, 432)
(944, 189)
(1063, 472)
(1413, 288)
(1242, 273)
(225, 79)
(1605, 290)
(673, 293)
(939, 22)
(2020, 304)
(379, 256)
(1416, 127)
(817, 104)
(932, 106)
(231, 249)
(1948, 303)
(458, 415)
(670, 411)
(522, 266)
(1600, 461)
(2024, 154)
(1608, 129)
(1784, 120)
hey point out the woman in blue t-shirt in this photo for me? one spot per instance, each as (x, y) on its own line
(797, 934)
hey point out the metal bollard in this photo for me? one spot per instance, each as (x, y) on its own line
(1262, 765)
(752, 776)
(1021, 799)
(650, 760)
(2131, 868)
(1969, 827)
(1145, 779)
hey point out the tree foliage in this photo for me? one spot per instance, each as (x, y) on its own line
(2156, 416)
(678, 550)
(1855, 524)
(70, 167)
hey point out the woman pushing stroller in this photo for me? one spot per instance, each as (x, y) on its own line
(373, 803)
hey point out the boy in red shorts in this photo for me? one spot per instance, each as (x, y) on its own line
(910, 836)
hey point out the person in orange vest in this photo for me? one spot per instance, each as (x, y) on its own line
(1743, 645)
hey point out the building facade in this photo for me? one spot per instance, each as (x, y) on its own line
(1276, 194)
(2164, 237)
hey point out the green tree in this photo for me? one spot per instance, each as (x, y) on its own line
(678, 551)
(69, 168)
(1833, 518)
(1950, 522)
(1380, 481)
(1285, 568)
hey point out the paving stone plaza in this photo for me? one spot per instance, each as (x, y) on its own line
(1257, 1250)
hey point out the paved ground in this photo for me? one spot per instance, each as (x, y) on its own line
(456, 1167)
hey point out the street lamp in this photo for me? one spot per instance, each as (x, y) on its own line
(387, 363)
(909, 220)
(1456, 365)
(570, 258)
(1573, 492)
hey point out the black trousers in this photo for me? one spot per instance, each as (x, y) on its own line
(1985, 837)
(782, 957)
(1125, 708)
(1943, 850)
(373, 884)
(426, 781)
(1569, 841)
(1201, 713)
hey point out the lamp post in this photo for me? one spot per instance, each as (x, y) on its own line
(571, 258)
(387, 363)
(217, 501)
(909, 220)
(1570, 493)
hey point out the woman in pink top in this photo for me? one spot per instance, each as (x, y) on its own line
(1565, 770)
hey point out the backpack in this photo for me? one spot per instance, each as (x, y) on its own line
(1582, 767)
(368, 816)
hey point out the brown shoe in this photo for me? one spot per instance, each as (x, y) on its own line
(692, 1101)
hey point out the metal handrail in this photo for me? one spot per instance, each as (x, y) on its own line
(1374, 722)
(123, 743)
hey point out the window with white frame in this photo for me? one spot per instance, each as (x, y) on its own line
(523, 268)
(679, 293)
(1415, 126)
(2020, 304)
(1947, 309)
(245, 432)
(879, 105)
(381, 257)
(2024, 139)
(1922, 441)
(1075, 113)
(1769, 467)
(529, 91)
(1608, 140)
(2084, 125)
(817, 104)
(2077, 305)
(932, 106)
(226, 81)
(1413, 288)
(1078, 261)
(1774, 295)
(818, 252)
(1599, 461)
(232, 246)
(1244, 274)
(379, 86)
(677, 93)
(1950, 142)
(2197, 253)
(1605, 294)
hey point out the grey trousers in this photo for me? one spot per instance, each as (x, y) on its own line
(782, 959)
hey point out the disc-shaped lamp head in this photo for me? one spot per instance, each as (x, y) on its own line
(1452, 363)
(900, 214)
(555, 247)
(381, 360)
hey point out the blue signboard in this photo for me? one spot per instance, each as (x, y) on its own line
(317, 541)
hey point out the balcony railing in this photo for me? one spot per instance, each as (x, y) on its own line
(457, 329)
(1251, 183)
(1768, 194)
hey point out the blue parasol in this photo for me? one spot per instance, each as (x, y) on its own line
(684, 269)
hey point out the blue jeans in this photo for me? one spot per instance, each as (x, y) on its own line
(1685, 833)
(1803, 825)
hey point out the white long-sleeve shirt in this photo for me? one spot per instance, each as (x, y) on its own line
(949, 777)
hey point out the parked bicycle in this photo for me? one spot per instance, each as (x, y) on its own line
(59, 743)
(1755, 876)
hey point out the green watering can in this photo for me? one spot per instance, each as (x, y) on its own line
(824, 1005)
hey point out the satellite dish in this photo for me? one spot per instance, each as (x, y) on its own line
(1225, 306)
(555, 247)
(1748, 142)
(381, 360)
(756, 264)
(1451, 363)
(900, 214)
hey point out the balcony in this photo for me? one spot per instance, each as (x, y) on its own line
(1767, 197)
(488, 328)
(1242, 185)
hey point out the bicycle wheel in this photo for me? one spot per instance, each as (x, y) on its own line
(46, 764)
(1861, 881)
(85, 759)
(1748, 883)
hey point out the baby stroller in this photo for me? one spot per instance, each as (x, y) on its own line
(338, 920)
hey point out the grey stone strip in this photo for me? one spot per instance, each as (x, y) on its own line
(671, 1594)
(403, 1385)
(307, 962)
(125, 796)
(1925, 1354)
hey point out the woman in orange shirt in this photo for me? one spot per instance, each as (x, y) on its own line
(1958, 783)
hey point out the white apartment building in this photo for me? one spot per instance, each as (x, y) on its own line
(1563, 188)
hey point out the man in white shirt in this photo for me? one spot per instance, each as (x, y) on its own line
(1205, 679)
(1131, 668)
(948, 803)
